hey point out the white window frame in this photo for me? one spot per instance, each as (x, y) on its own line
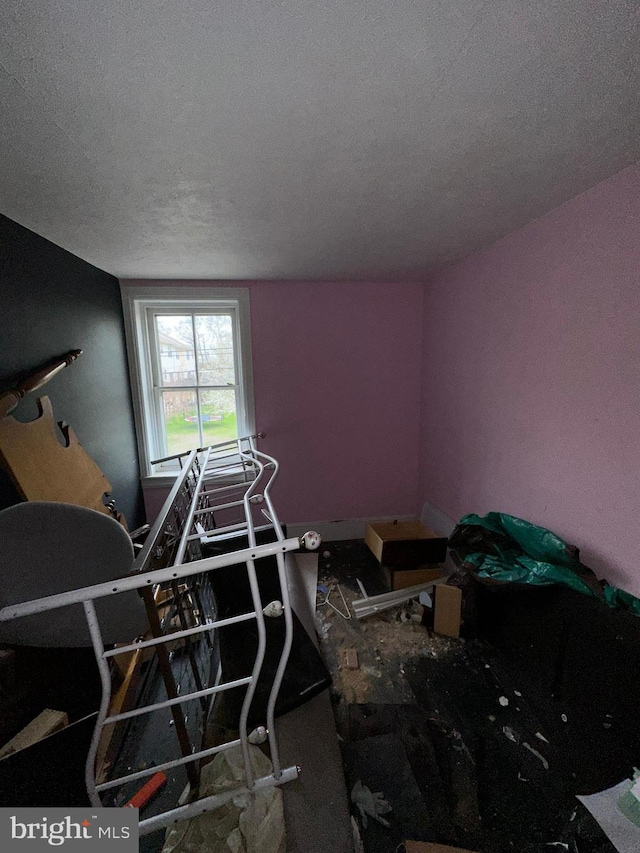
(139, 304)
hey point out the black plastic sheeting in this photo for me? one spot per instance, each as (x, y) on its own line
(506, 549)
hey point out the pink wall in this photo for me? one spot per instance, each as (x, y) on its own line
(337, 391)
(531, 378)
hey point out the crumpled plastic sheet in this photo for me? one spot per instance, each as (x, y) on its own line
(250, 823)
(369, 804)
(505, 548)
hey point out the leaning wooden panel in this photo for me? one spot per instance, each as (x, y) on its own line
(45, 470)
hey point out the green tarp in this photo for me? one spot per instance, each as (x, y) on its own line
(509, 549)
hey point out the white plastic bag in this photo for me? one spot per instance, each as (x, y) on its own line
(250, 823)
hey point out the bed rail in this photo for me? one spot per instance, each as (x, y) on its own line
(203, 507)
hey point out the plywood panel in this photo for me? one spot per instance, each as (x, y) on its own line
(45, 470)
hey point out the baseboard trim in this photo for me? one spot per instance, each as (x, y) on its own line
(348, 528)
(354, 528)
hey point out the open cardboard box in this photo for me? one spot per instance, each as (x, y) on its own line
(405, 543)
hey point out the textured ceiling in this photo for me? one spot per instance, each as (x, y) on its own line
(340, 139)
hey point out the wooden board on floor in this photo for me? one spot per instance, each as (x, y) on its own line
(32, 777)
(46, 723)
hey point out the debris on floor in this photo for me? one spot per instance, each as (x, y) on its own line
(372, 605)
(469, 752)
(369, 804)
(380, 766)
(351, 659)
(338, 604)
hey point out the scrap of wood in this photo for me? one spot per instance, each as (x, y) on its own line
(351, 659)
(44, 724)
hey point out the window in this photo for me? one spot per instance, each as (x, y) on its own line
(190, 362)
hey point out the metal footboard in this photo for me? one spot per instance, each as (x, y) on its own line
(219, 496)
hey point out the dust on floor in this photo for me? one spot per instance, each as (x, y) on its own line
(442, 729)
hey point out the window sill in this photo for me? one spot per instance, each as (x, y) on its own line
(158, 481)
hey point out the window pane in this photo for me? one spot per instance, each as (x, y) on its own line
(180, 421)
(175, 347)
(214, 339)
(218, 411)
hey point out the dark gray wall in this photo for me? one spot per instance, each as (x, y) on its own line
(52, 302)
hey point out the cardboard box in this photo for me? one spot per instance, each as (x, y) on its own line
(405, 543)
(447, 610)
(401, 578)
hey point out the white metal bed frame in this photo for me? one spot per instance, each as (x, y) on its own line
(202, 491)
